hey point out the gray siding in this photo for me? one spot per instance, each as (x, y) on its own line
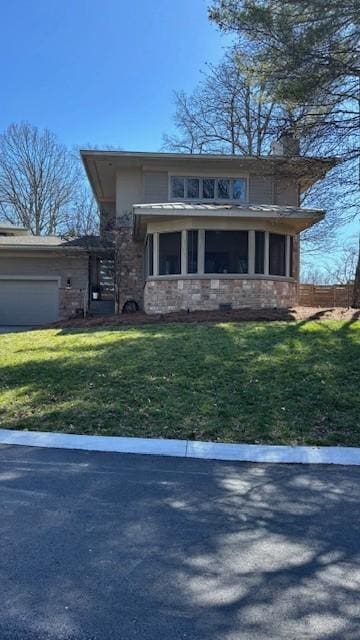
(156, 186)
(286, 192)
(260, 189)
(64, 267)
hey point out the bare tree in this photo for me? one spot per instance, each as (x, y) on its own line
(38, 179)
(227, 112)
(83, 217)
(340, 269)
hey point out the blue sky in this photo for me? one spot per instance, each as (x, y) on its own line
(102, 72)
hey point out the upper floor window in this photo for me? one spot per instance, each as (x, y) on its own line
(193, 188)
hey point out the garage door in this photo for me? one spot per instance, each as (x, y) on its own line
(28, 302)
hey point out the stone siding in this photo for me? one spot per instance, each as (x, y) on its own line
(71, 302)
(129, 268)
(167, 295)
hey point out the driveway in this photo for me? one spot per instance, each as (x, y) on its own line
(13, 328)
(97, 546)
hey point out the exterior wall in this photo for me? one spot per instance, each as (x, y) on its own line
(286, 192)
(169, 295)
(142, 185)
(156, 186)
(260, 189)
(62, 266)
(71, 301)
(129, 191)
(129, 268)
(129, 255)
(137, 186)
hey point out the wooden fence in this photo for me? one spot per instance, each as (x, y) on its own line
(320, 295)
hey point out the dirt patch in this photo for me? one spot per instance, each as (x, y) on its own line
(241, 315)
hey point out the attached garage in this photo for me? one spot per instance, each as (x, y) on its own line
(26, 300)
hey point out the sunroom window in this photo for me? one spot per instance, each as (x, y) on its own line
(277, 254)
(259, 251)
(226, 252)
(192, 249)
(169, 253)
(149, 255)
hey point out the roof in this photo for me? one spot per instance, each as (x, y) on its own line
(300, 218)
(54, 243)
(90, 242)
(7, 227)
(31, 241)
(101, 166)
(186, 207)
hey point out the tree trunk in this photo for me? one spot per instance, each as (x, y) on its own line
(356, 293)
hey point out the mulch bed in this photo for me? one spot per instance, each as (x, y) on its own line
(240, 315)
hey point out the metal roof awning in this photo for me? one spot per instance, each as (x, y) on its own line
(144, 213)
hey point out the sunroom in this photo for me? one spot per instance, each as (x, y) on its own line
(211, 256)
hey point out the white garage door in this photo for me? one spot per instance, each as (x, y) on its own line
(28, 302)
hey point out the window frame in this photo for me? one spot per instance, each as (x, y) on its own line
(201, 272)
(283, 236)
(216, 178)
(229, 251)
(179, 257)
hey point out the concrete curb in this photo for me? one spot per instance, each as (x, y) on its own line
(185, 448)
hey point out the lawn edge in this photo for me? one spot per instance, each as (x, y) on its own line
(185, 448)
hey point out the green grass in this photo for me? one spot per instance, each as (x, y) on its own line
(251, 382)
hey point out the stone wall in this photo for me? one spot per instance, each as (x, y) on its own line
(167, 295)
(129, 268)
(71, 302)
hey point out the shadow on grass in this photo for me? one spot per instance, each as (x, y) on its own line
(251, 382)
(129, 547)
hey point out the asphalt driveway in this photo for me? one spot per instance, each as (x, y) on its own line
(98, 546)
(4, 328)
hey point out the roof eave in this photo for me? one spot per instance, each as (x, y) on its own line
(304, 218)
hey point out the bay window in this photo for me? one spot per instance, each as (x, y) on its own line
(192, 251)
(277, 254)
(207, 251)
(259, 252)
(169, 253)
(149, 255)
(226, 251)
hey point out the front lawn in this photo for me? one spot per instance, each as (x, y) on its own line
(250, 382)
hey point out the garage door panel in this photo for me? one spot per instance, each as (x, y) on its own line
(28, 302)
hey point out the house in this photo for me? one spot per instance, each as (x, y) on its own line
(44, 278)
(177, 232)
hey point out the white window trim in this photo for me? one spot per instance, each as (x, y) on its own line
(215, 177)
